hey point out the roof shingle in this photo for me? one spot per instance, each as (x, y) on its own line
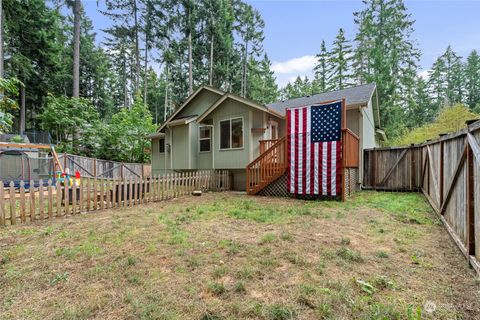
(354, 95)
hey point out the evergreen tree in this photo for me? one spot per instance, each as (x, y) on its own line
(250, 30)
(472, 80)
(322, 69)
(340, 59)
(263, 88)
(299, 88)
(386, 54)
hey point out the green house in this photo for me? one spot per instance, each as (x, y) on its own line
(214, 129)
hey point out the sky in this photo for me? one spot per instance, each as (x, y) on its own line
(295, 29)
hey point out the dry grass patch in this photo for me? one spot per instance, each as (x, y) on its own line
(230, 256)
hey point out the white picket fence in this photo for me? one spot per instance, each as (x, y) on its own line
(40, 200)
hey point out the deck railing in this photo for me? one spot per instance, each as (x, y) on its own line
(270, 165)
(265, 144)
(351, 153)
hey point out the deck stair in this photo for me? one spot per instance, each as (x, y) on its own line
(268, 167)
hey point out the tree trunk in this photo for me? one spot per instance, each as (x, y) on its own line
(137, 48)
(166, 97)
(190, 62)
(125, 90)
(22, 110)
(77, 11)
(211, 61)
(1, 39)
(145, 76)
(244, 73)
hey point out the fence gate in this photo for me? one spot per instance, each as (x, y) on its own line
(447, 172)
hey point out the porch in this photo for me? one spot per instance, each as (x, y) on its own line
(270, 167)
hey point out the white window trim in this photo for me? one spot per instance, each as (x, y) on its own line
(200, 139)
(220, 134)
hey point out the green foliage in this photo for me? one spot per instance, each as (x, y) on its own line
(71, 122)
(450, 119)
(8, 102)
(124, 139)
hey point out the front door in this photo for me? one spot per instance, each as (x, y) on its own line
(273, 128)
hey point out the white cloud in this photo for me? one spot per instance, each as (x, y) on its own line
(287, 71)
(424, 74)
(301, 64)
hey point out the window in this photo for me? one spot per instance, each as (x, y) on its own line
(161, 145)
(205, 138)
(231, 133)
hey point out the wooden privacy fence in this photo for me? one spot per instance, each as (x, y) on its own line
(47, 200)
(447, 172)
(93, 168)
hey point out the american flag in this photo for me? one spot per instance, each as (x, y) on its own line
(315, 149)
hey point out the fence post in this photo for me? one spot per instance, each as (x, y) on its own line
(13, 213)
(442, 152)
(470, 216)
(2, 204)
(22, 201)
(413, 169)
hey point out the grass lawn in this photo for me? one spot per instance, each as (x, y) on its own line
(230, 256)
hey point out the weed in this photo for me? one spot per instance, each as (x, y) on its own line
(133, 279)
(324, 310)
(365, 286)
(285, 236)
(295, 259)
(383, 282)
(131, 261)
(382, 254)
(59, 277)
(345, 241)
(320, 268)
(280, 312)
(246, 273)
(231, 246)
(239, 287)
(216, 288)
(193, 262)
(48, 231)
(210, 316)
(220, 271)
(349, 255)
(268, 237)
(268, 262)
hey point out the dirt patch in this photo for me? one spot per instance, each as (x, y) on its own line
(224, 256)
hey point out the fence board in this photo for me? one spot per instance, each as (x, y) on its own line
(447, 172)
(99, 193)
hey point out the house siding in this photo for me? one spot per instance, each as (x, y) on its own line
(180, 149)
(199, 104)
(160, 161)
(368, 127)
(237, 158)
(353, 122)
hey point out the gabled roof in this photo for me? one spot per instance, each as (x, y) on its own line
(223, 96)
(185, 103)
(354, 97)
(235, 97)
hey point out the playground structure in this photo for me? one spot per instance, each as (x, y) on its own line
(33, 162)
(28, 162)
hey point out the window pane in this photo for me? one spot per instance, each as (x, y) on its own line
(237, 133)
(161, 145)
(225, 134)
(204, 132)
(205, 145)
